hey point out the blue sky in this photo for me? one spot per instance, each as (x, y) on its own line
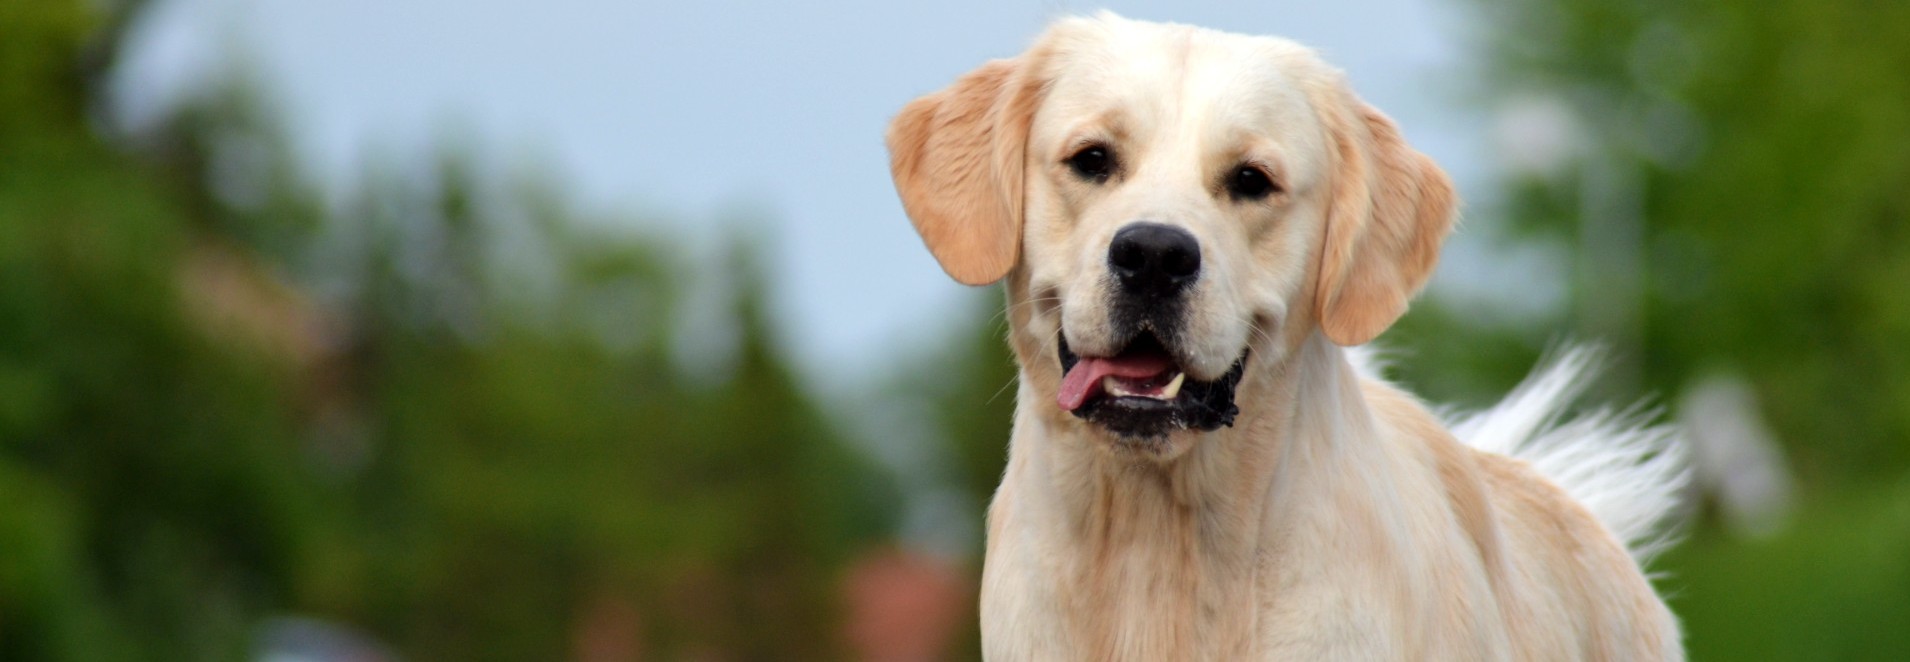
(684, 115)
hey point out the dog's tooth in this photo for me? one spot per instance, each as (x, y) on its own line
(1113, 386)
(1173, 387)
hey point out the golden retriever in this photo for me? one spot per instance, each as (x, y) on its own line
(1193, 227)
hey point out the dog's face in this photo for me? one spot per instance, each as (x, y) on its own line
(1174, 210)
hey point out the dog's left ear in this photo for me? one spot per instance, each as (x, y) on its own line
(957, 157)
(1390, 211)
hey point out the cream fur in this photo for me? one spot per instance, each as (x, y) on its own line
(1337, 519)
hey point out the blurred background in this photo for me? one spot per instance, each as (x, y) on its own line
(592, 330)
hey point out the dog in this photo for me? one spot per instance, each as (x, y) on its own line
(1197, 231)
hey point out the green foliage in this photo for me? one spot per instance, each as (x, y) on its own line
(553, 457)
(971, 387)
(40, 82)
(471, 442)
(1830, 587)
(1769, 140)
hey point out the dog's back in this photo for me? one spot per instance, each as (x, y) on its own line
(1551, 483)
(1627, 473)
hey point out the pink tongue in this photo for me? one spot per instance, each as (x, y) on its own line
(1083, 381)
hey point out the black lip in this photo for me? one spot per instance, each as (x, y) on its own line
(1202, 405)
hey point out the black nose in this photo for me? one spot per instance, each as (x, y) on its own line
(1154, 258)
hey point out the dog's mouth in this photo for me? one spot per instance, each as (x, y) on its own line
(1142, 392)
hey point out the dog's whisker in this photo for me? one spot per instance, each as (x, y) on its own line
(1005, 310)
(1003, 389)
(1254, 328)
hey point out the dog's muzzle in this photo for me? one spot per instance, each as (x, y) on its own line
(1141, 392)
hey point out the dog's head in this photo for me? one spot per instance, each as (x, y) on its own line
(1174, 210)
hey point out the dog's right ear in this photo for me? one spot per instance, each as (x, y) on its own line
(957, 157)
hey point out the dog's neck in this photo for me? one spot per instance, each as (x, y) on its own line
(1121, 533)
(1229, 478)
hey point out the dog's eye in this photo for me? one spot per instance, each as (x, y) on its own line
(1094, 162)
(1247, 182)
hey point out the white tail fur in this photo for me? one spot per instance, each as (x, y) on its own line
(1626, 471)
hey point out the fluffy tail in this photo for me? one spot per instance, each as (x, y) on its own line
(1628, 472)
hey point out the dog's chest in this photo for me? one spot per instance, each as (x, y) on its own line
(1153, 604)
(1140, 589)
(1145, 589)
(1156, 601)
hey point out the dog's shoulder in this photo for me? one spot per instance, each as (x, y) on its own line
(1414, 428)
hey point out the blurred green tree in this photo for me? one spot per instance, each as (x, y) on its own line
(149, 492)
(1759, 149)
(446, 412)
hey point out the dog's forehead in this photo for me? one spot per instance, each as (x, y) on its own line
(1107, 68)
